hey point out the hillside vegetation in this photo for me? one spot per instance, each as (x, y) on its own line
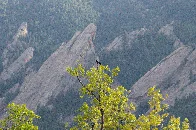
(109, 107)
(135, 35)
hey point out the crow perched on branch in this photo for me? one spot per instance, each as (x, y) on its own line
(98, 62)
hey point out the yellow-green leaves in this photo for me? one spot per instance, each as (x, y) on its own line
(174, 124)
(110, 109)
(185, 124)
(155, 117)
(115, 71)
(19, 118)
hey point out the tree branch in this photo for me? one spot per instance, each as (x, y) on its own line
(87, 89)
(102, 118)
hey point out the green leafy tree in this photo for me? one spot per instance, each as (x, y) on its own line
(109, 107)
(19, 118)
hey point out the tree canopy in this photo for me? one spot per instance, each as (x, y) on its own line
(18, 118)
(110, 108)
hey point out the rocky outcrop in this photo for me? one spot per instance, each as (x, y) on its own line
(17, 65)
(15, 57)
(136, 53)
(52, 78)
(22, 31)
(168, 30)
(127, 39)
(16, 47)
(174, 75)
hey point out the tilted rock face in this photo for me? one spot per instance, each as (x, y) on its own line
(174, 75)
(52, 77)
(127, 38)
(22, 31)
(16, 47)
(136, 52)
(17, 65)
(168, 30)
(15, 57)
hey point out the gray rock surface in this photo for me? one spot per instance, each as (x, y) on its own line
(16, 47)
(174, 75)
(127, 38)
(17, 65)
(52, 77)
(22, 31)
(168, 30)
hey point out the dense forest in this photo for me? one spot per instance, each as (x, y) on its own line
(52, 22)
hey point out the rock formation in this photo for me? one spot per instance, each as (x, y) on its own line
(52, 77)
(127, 38)
(17, 65)
(168, 30)
(136, 53)
(22, 31)
(15, 57)
(174, 75)
(16, 47)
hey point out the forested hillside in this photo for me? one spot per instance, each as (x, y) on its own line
(120, 16)
(39, 39)
(49, 23)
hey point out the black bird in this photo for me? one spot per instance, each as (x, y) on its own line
(98, 62)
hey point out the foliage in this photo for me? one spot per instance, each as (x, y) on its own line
(185, 107)
(109, 107)
(144, 53)
(9, 83)
(1, 64)
(10, 96)
(50, 22)
(116, 16)
(186, 31)
(103, 103)
(19, 118)
(63, 105)
(50, 119)
(3, 5)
